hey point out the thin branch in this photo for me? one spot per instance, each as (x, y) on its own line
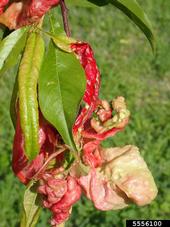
(64, 12)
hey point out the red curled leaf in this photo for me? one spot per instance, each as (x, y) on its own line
(33, 10)
(23, 169)
(22, 13)
(86, 56)
(91, 154)
(92, 148)
(3, 3)
(92, 134)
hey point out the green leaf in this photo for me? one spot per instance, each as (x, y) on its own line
(61, 88)
(133, 10)
(11, 47)
(31, 206)
(28, 74)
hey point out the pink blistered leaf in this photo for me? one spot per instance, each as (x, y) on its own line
(99, 190)
(62, 209)
(123, 177)
(94, 155)
(59, 194)
(53, 190)
(104, 196)
(84, 181)
(71, 196)
(129, 172)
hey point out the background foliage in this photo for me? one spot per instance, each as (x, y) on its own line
(128, 68)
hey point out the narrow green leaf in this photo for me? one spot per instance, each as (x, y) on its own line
(11, 47)
(133, 10)
(31, 206)
(28, 74)
(61, 88)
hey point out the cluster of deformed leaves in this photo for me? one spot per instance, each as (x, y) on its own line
(60, 121)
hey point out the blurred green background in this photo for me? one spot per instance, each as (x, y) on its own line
(128, 68)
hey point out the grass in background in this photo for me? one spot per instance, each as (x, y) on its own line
(127, 68)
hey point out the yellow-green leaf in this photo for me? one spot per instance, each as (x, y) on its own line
(31, 206)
